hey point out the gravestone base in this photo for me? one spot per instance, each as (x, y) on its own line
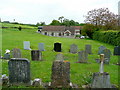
(101, 80)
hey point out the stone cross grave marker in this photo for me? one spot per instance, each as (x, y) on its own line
(36, 55)
(101, 48)
(107, 54)
(16, 53)
(88, 49)
(59, 57)
(60, 74)
(57, 47)
(116, 50)
(19, 71)
(73, 48)
(41, 47)
(82, 57)
(27, 45)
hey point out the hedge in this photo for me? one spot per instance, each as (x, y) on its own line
(110, 37)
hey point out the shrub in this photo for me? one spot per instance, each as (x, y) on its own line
(110, 37)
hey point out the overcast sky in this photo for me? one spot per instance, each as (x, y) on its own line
(33, 11)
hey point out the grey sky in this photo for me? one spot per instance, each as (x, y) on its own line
(33, 11)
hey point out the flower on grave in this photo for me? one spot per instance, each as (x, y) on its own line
(7, 51)
(66, 61)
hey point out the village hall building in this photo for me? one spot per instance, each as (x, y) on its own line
(60, 30)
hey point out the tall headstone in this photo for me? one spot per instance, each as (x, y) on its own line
(116, 50)
(16, 53)
(41, 47)
(27, 45)
(59, 57)
(73, 48)
(107, 54)
(101, 48)
(57, 47)
(19, 71)
(36, 55)
(82, 57)
(60, 74)
(88, 49)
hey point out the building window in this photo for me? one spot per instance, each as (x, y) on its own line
(60, 34)
(52, 34)
(45, 33)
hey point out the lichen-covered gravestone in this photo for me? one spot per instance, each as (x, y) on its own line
(36, 55)
(59, 57)
(16, 53)
(107, 54)
(82, 57)
(57, 47)
(88, 49)
(41, 47)
(101, 48)
(73, 48)
(60, 74)
(19, 71)
(26, 45)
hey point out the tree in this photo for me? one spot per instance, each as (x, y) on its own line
(102, 18)
(55, 22)
(61, 19)
(40, 24)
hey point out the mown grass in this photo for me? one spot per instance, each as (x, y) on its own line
(80, 73)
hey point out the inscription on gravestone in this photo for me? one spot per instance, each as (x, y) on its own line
(57, 47)
(19, 71)
(41, 47)
(27, 45)
(60, 74)
(88, 49)
(73, 48)
(82, 56)
(16, 53)
(36, 55)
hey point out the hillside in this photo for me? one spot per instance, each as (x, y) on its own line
(80, 72)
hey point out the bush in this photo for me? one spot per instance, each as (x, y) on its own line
(110, 37)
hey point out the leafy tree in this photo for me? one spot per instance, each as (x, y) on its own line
(102, 18)
(61, 19)
(55, 22)
(40, 24)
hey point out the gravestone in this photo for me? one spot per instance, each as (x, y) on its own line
(19, 71)
(27, 45)
(16, 53)
(41, 47)
(88, 49)
(6, 56)
(101, 79)
(57, 47)
(60, 74)
(82, 57)
(107, 54)
(59, 57)
(101, 48)
(116, 50)
(73, 48)
(36, 55)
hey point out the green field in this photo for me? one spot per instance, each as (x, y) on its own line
(80, 74)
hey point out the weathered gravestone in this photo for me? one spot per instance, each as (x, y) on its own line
(57, 47)
(16, 53)
(36, 55)
(107, 54)
(60, 74)
(88, 49)
(101, 48)
(6, 56)
(19, 71)
(59, 57)
(116, 50)
(82, 57)
(41, 47)
(73, 48)
(101, 79)
(27, 45)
